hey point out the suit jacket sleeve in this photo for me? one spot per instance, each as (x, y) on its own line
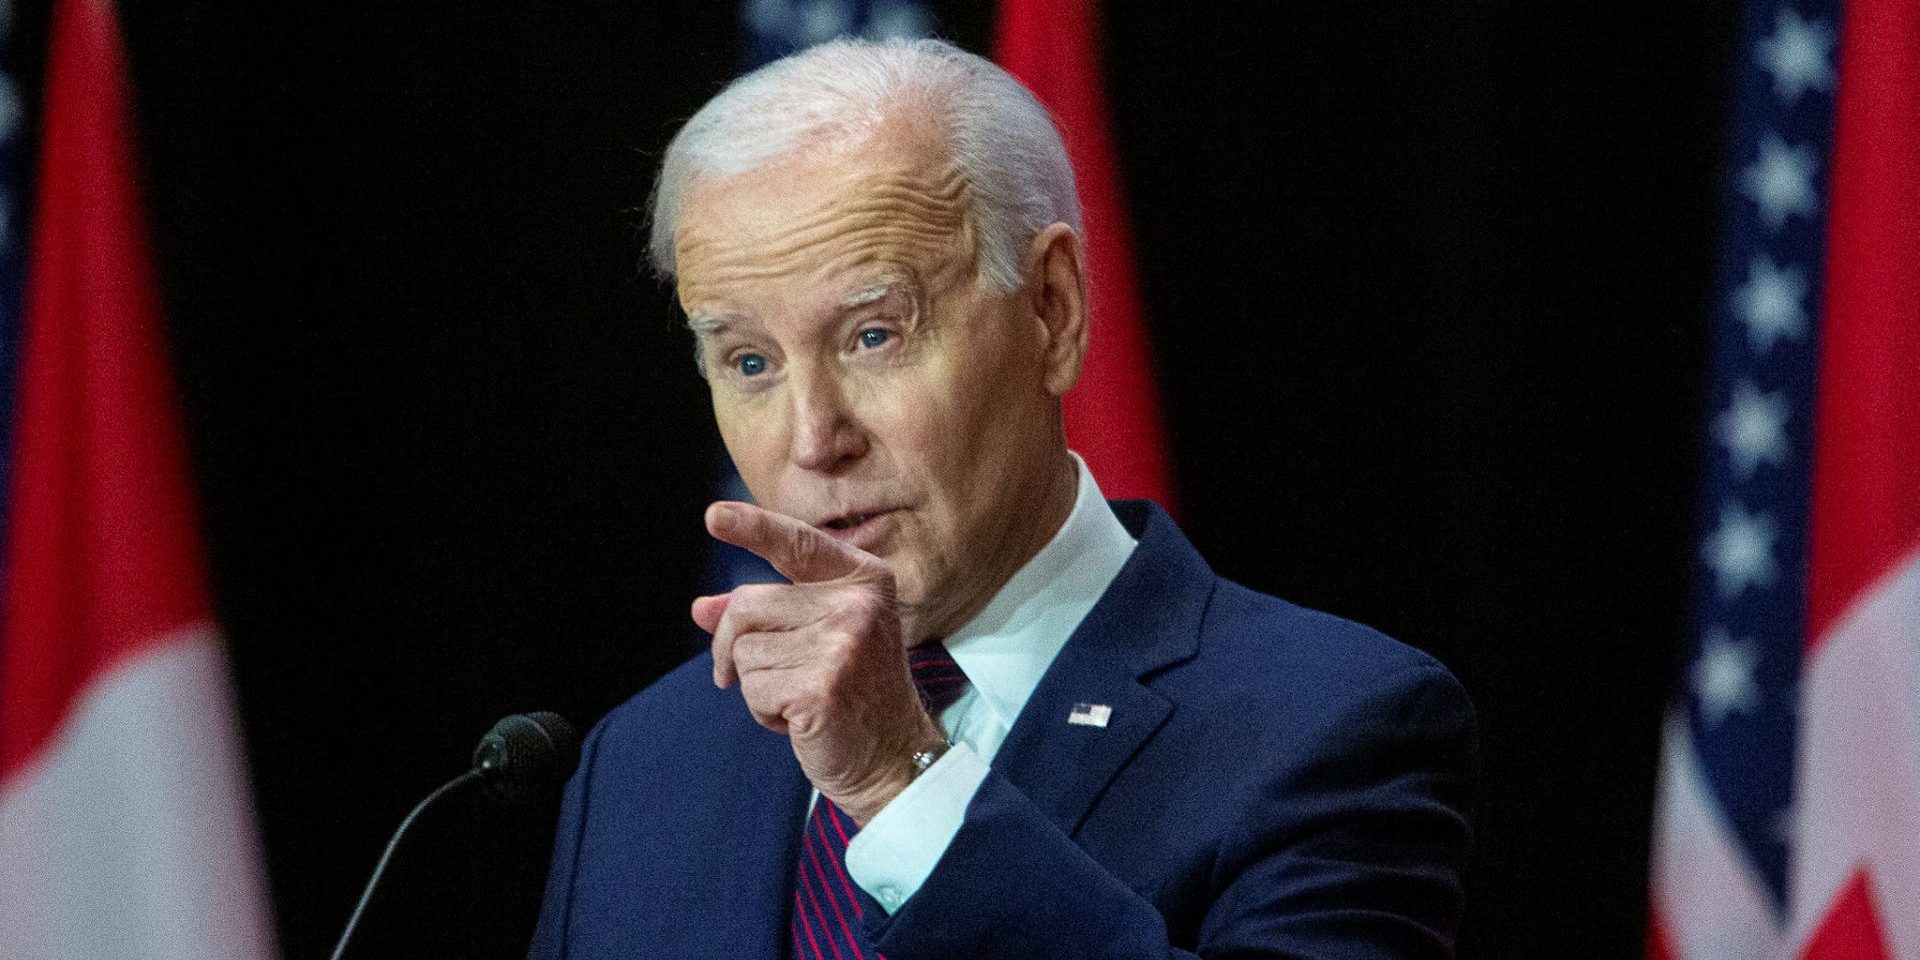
(550, 932)
(1356, 852)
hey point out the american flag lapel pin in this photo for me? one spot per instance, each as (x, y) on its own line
(1090, 714)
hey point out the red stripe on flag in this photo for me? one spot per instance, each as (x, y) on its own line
(103, 557)
(1851, 928)
(1113, 415)
(1866, 491)
(1659, 944)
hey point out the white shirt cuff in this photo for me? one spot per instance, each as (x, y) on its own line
(896, 851)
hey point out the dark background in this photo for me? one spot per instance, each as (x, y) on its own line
(1428, 288)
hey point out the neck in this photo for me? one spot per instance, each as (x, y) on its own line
(1019, 544)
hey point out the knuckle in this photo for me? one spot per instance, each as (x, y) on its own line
(878, 616)
(750, 596)
(723, 637)
(797, 542)
(766, 692)
(862, 601)
(837, 645)
(746, 650)
(754, 688)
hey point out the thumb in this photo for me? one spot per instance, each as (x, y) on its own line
(707, 611)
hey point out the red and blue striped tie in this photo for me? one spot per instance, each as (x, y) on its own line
(827, 904)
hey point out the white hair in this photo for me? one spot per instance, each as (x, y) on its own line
(1003, 143)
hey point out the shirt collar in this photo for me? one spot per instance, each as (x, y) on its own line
(1008, 646)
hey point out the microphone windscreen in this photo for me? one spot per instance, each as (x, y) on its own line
(527, 755)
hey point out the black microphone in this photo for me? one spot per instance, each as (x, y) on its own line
(524, 757)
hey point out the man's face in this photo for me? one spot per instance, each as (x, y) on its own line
(863, 379)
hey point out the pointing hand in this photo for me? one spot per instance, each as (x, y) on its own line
(821, 659)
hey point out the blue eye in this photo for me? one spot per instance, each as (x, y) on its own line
(751, 364)
(874, 337)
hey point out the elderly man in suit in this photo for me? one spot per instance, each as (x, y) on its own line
(992, 715)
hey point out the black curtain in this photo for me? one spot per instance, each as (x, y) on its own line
(1427, 289)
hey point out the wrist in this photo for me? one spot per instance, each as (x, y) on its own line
(904, 764)
(930, 755)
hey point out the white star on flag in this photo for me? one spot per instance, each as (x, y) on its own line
(1780, 180)
(1740, 550)
(1754, 429)
(770, 17)
(822, 20)
(1723, 677)
(1797, 55)
(800, 22)
(1770, 303)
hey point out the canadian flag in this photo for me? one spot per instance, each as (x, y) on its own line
(126, 828)
(1113, 415)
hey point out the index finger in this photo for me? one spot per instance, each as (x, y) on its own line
(801, 553)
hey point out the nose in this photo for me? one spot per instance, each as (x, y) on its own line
(826, 433)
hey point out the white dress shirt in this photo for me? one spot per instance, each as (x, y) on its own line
(1004, 651)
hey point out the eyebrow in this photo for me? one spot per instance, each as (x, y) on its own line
(878, 291)
(706, 324)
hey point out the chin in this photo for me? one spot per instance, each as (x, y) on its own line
(909, 586)
(909, 591)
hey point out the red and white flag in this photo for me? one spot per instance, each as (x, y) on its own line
(1113, 415)
(126, 826)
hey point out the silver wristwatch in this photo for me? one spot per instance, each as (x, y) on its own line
(922, 759)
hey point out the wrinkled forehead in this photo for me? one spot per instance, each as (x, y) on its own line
(832, 220)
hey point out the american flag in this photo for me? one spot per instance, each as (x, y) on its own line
(775, 28)
(1788, 818)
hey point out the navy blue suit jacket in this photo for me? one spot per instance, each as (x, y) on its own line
(1273, 782)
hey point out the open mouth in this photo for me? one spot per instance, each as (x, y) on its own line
(850, 521)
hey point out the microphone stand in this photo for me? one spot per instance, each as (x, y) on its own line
(458, 783)
(516, 761)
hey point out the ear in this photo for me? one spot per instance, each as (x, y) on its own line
(1056, 287)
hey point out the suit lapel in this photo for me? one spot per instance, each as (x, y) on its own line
(1149, 618)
